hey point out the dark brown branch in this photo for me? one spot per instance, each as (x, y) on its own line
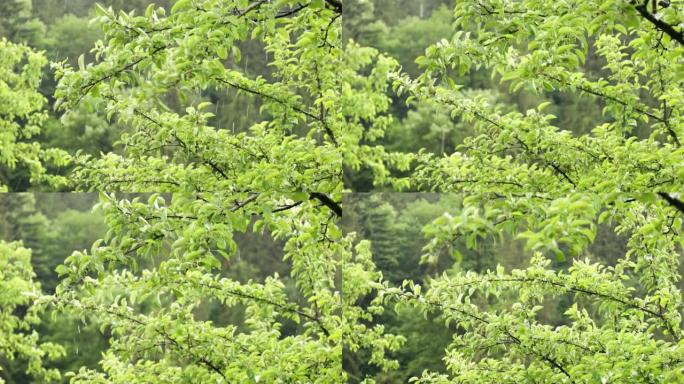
(216, 168)
(241, 204)
(281, 102)
(542, 356)
(291, 11)
(163, 333)
(483, 320)
(563, 173)
(154, 181)
(86, 88)
(249, 9)
(327, 201)
(336, 4)
(678, 204)
(212, 366)
(605, 96)
(210, 163)
(660, 25)
(491, 182)
(628, 302)
(590, 91)
(287, 207)
(292, 308)
(327, 31)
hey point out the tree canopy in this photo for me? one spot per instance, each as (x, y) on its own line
(21, 117)
(549, 130)
(20, 315)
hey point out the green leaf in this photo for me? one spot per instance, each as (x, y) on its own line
(181, 5)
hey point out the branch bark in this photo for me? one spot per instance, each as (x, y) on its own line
(675, 35)
(678, 204)
(337, 4)
(327, 201)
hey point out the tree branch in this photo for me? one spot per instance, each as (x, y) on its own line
(281, 102)
(327, 201)
(292, 308)
(563, 173)
(337, 4)
(659, 24)
(291, 11)
(678, 204)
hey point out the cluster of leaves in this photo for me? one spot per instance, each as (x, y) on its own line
(325, 107)
(144, 283)
(161, 259)
(149, 56)
(609, 335)
(530, 179)
(524, 150)
(19, 316)
(21, 116)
